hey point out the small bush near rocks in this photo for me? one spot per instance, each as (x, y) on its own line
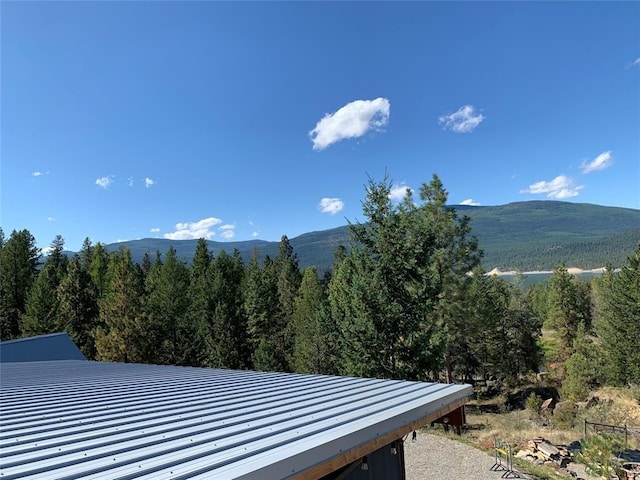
(564, 415)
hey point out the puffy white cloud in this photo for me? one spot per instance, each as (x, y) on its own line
(51, 219)
(469, 201)
(37, 174)
(194, 230)
(351, 121)
(465, 120)
(148, 182)
(559, 188)
(227, 231)
(255, 234)
(330, 205)
(130, 181)
(602, 161)
(155, 230)
(398, 191)
(104, 182)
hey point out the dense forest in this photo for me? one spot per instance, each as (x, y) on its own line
(407, 298)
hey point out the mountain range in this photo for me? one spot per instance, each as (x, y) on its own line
(524, 236)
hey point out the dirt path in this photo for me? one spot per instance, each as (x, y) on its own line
(437, 457)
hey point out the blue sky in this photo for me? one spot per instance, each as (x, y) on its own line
(242, 120)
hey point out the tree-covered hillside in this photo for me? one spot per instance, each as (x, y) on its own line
(526, 236)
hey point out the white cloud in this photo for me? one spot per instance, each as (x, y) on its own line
(559, 188)
(227, 231)
(635, 63)
(155, 230)
(398, 192)
(465, 120)
(602, 161)
(148, 182)
(194, 230)
(104, 182)
(255, 234)
(351, 121)
(37, 174)
(330, 205)
(51, 219)
(469, 201)
(130, 181)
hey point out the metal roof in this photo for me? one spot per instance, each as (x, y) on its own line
(93, 420)
(54, 346)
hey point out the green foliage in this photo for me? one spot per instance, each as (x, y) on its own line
(582, 235)
(564, 415)
(583, 369)
(533, 403)
(41, 309)
(19, 259)
(78, 310)
(598, 453)
(395, 293)
(123, 334)
(568, 307)
(618, 321)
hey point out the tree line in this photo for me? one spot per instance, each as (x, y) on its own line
(406, 299)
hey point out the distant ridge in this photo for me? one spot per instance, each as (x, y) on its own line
(523, 236)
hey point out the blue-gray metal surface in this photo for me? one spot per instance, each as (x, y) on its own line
(94, 420)
(55, 346)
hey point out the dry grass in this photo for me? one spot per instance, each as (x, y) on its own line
(518, 427)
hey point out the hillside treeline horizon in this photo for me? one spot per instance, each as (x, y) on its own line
(399, 302)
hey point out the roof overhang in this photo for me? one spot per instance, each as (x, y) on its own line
(93, 420)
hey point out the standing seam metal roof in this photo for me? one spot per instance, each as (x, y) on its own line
(92, 420)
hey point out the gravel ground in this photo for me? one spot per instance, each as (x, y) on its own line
(436, 457)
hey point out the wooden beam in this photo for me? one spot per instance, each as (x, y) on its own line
(350, 456)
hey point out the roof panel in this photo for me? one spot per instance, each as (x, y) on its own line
(81, 419)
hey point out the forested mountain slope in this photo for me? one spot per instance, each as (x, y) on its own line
(533, 235)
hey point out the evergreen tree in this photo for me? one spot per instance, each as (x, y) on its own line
(288, 279)
(310, 351)
(396, 292)
(228, 347)
(201, 303)
(170, 331)
(57, 258)
(41, 309)
(569, 305)
(19, 259)
(618, 321)
(78, 310)
(261, 308)
(99, 269)
(583, 367)
(121, 335)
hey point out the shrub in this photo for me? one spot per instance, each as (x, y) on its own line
(533, 404)
(564, 415)
(598, 454)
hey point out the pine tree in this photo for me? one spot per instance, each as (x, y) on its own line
(618, 321)
(310, 351)
(121, 335)
(41, 309)
(228, 347)
(19, 258)
(260, 295)
(397, 290)
(568, 307)
(170, 331)
(200, 310)
(78, 310)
